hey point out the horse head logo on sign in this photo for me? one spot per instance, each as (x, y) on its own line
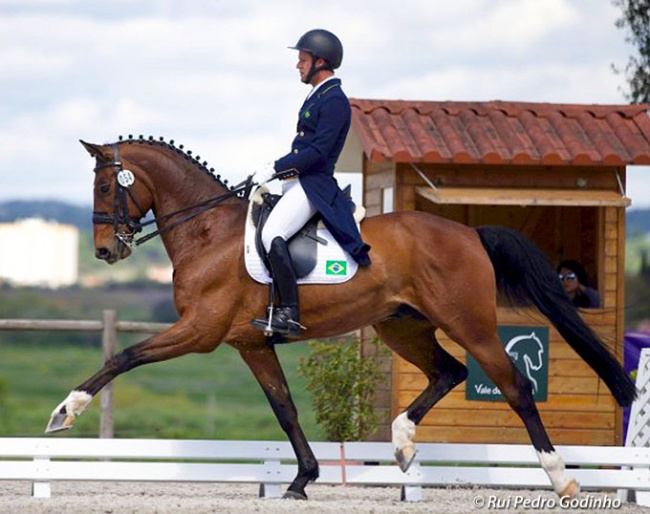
(531, 350)
(528, 349)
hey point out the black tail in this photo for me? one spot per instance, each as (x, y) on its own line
(525, 277)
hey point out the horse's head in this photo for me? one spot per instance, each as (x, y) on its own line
(122, 195)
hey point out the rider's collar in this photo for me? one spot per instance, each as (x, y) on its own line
(319, 85)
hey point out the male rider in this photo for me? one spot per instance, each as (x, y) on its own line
(323, 124)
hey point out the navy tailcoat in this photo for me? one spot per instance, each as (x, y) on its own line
(323, 124)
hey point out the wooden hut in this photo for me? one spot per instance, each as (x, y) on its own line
(554, 172)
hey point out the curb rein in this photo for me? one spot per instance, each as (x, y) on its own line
(123, 181)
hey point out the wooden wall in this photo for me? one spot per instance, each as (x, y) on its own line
(580, 408)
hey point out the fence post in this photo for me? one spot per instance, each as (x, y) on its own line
(109, 344)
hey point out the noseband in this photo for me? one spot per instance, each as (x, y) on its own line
(120, 216)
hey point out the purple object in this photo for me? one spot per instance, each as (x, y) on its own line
(635, 340)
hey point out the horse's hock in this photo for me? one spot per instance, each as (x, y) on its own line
(554, 172)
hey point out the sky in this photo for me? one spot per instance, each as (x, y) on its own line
(217, 76)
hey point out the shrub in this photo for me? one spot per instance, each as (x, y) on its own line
(342, 385)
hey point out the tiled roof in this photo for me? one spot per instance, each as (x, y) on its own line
(502, 132)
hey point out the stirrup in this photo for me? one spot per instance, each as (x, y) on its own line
(292, 329)
(279, 323)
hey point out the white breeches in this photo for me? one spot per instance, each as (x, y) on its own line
(290, 214)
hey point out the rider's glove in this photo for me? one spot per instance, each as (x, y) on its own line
(264, 175)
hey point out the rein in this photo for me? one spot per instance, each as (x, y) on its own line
(123, 181)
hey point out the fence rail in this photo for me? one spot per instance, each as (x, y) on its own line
(271, 464)
(109, 326)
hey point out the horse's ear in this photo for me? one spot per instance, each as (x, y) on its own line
(95, 150)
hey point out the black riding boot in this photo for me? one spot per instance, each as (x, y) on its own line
(286, 317)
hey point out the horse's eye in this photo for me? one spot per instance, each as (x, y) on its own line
(105, 189)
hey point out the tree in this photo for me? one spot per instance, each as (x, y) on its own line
(635, 20)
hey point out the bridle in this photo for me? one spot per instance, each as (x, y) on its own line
(121, 217)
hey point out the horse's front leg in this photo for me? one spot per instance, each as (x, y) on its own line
(266, 367)
(178, 340)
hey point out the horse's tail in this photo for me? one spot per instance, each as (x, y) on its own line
(525, 277)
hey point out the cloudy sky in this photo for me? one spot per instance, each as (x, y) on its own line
(216, 75)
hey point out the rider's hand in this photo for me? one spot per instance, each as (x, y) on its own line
(264, 175)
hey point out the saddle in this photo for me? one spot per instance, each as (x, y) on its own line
(303, 246)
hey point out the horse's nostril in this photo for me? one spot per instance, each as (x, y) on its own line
(102, 253)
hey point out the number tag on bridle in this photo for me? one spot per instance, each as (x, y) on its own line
(125, 178)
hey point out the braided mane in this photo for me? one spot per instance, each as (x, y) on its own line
(186, 154)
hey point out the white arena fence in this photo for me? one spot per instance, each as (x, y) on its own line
(271, 464)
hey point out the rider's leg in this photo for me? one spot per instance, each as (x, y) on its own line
(289, 215)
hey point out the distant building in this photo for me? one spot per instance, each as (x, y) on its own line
(35, 252)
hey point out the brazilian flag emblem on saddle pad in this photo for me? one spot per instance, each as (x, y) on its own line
(336, 268)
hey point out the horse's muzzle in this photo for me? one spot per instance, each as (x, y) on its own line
(105, 254)
(112, 256)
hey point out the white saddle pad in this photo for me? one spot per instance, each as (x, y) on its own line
(333, 264)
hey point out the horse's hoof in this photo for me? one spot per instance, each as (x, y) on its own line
(293, 495)
(405, 458)
(60, 421)
(572, 489)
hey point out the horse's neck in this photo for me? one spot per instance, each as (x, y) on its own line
(213, 226)
(180, 188)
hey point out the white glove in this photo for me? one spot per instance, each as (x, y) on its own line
(264, 175)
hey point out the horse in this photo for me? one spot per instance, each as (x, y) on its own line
(427, 273)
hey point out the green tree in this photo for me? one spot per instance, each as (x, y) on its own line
(635, 21)
(342, 385)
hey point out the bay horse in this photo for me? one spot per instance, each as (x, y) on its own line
(427, 273)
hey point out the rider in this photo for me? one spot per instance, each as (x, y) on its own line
(323, 124)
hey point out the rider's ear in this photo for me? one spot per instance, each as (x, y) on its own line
(96, 151)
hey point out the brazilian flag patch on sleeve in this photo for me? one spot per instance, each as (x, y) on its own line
(336, 268)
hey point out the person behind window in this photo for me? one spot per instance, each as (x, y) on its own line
(577, 284)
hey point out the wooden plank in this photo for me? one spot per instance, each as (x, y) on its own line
(522, 196)
(567, 404)
(512, 435)
(477, 175)
(565, 367)
(556, 385)
(508, 418)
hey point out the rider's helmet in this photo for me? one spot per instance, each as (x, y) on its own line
(322, 43)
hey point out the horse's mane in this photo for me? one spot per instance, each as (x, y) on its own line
(186, 154)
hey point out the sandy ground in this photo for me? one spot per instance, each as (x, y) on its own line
(167, 498)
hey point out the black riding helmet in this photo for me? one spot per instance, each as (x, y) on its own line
(321, 43)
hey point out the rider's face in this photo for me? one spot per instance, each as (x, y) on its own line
(304, 64)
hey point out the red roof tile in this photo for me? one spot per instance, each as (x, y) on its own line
(502, 132)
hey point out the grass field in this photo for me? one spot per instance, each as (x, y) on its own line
(198, 396)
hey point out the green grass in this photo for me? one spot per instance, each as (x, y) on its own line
(197, 396)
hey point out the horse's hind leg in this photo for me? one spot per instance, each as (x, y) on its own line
(415, 341)
(484, 345)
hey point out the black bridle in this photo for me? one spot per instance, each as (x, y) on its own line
(121, 217)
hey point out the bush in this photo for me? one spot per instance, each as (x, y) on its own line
(342, 385)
